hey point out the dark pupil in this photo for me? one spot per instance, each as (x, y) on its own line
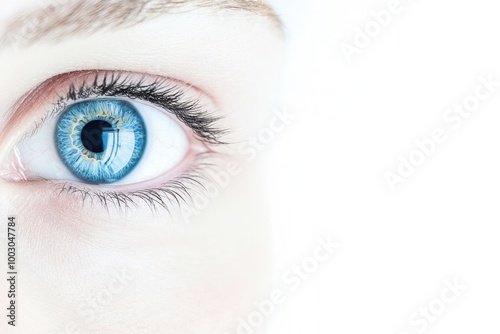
(92, 135)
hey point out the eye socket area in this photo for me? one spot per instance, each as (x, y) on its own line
(167, 148)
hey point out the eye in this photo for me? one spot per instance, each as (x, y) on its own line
(105, 141)
(107, 131)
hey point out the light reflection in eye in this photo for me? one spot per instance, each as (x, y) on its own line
(101, 141)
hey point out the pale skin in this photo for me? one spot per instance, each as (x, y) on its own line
(84, 268)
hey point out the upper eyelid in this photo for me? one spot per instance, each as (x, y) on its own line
(190, 112)
(73, 86)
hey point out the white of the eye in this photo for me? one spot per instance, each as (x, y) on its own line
(166, 146)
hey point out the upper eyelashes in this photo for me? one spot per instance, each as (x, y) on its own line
(158, 92)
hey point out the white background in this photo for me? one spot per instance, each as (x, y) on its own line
(354, 121)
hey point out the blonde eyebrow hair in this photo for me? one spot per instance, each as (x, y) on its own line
(55, 21)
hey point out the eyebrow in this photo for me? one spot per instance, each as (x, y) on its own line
(54, 21)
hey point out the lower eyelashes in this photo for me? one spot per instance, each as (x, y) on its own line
(100, 141)
(170, 194)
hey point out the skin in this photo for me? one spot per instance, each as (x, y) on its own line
(176, 277)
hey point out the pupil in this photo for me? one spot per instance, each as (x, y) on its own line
(92, 135)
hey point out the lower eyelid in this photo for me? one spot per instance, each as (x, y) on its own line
(161, 195)
(157, 194)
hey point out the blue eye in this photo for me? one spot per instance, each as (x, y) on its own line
(116, 136)
(100, 140)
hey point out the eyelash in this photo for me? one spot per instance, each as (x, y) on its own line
(161, 93)
(170, 98)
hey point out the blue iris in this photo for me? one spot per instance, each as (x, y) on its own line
(101, 140)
